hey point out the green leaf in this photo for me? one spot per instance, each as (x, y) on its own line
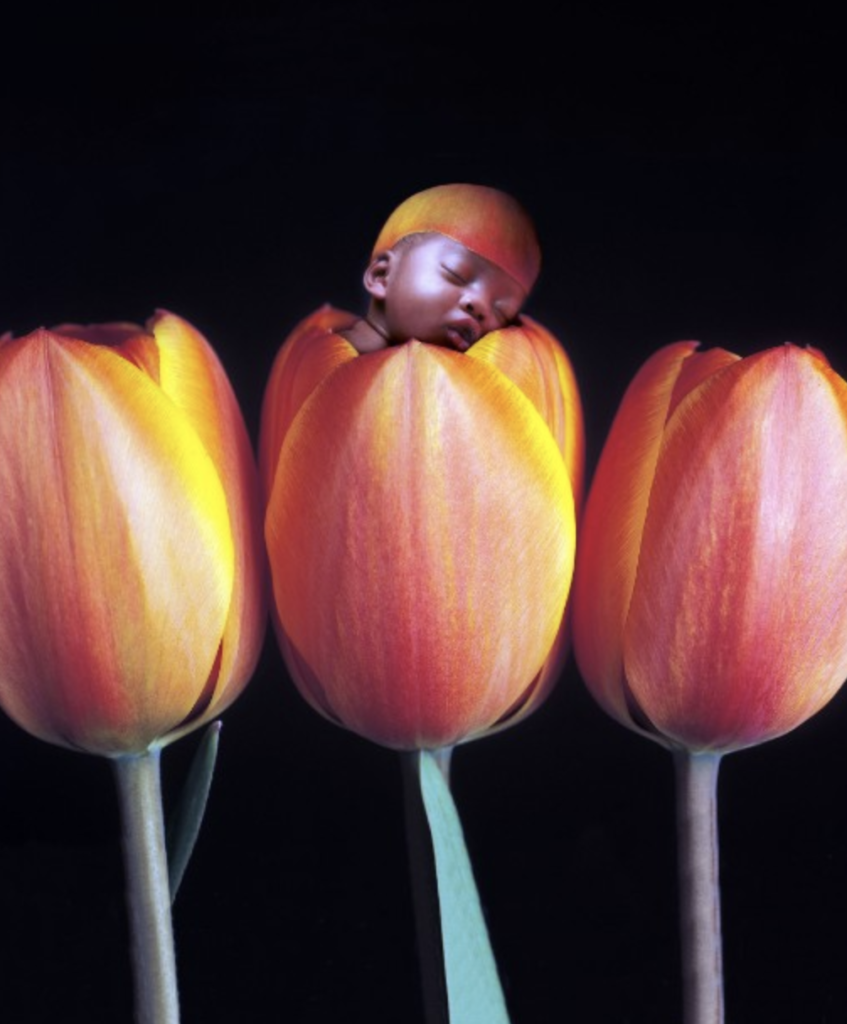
(474, 992)
(184, 824)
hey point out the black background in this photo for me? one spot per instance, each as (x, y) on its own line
(687, 175)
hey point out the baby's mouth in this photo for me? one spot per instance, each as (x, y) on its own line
(462, 335)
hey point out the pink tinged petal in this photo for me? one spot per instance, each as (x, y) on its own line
(737, 630)
(421, 535)
(116, 560)
(612, 524)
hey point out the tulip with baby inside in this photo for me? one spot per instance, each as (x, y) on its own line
(421, 502)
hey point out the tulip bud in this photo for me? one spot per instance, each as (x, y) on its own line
(131, 594)
(420, 527)
(710, 606)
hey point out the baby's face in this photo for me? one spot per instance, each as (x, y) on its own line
(440, 292)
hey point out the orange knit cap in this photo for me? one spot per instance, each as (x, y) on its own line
(489, 222)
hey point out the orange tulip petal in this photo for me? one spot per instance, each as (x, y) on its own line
(697, 368)
(535, 361)
(612, 523)
(421, 533)
(115, 592)
(737, 630)
(125, 339)
(532, 358)
(311, 352)
(191, 375)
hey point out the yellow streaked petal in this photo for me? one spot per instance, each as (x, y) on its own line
(535, 361)
(192, 376)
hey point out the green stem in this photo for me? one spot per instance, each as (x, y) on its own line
(460, 977)
(443, 757)
(699, 884)
(424, 894)
(147, 890)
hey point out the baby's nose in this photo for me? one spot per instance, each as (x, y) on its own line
(475, 306)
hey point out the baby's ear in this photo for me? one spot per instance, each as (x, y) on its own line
(376, 275)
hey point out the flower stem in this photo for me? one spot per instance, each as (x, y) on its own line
(460, 977)
(147, 890)
(699, 886)
(424, 894)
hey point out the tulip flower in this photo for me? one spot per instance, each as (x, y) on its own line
(132, 607)
(709, 606)
(421, 528)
